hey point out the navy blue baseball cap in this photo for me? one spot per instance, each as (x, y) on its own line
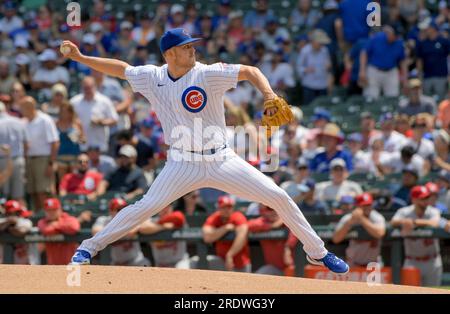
(175, 37)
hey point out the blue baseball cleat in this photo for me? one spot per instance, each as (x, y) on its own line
(81, 257)
(332, 262)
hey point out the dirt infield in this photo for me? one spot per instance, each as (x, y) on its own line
(109, 279)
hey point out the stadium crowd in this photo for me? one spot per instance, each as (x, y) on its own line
(70, 136)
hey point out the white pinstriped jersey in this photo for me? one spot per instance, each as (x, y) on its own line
(195, 97)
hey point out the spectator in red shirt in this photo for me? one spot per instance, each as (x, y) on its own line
(58, 222)
(231, 255)
(82, 180)
(167, 253)
(273, 250)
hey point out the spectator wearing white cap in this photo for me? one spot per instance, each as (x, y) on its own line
(49, 73)
(338, 186)
(128, 178)
(89, 46)
(6, 78)
(177, 18)
(96, 113)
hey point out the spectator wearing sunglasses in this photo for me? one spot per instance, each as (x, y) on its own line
(82, 181)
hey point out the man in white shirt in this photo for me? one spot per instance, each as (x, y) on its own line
(393, 140)
(400, 160)
(49, 73)
(421, 253)
(338, 186)
(13, 134)
(43, 147)
(279, 73)
(96, 113)
(314, 66)
(10, 22)
(362, 252)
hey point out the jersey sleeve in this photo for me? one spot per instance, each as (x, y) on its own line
(258, 225)
(400, 214)
(177, 218)
(238, 218)
(141, 77)
(343, 221)
(212, 221)
(222, 76)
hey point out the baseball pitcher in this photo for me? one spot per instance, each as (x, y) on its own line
(188, 97)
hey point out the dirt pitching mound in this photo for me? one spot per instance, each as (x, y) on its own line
(113, 279)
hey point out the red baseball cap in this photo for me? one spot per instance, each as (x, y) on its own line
(224, 201)
(432, 187)
(12, 206)
(117, 203)
(364, 199)
(52, 203)
(420, 192)
(26, 213)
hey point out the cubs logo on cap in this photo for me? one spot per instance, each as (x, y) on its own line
(194, 99)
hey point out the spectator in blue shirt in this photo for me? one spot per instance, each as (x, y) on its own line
(221, 19)
(354, 19)
(331, 24)
(352, 61)
(257, 18)
(89, 47)
(379, 63)
(330, 138)
(432, 56)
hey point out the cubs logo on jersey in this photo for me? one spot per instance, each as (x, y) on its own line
(194, 99)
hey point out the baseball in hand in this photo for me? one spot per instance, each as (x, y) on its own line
(65, 50)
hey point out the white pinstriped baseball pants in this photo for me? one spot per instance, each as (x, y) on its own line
(228, 173)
